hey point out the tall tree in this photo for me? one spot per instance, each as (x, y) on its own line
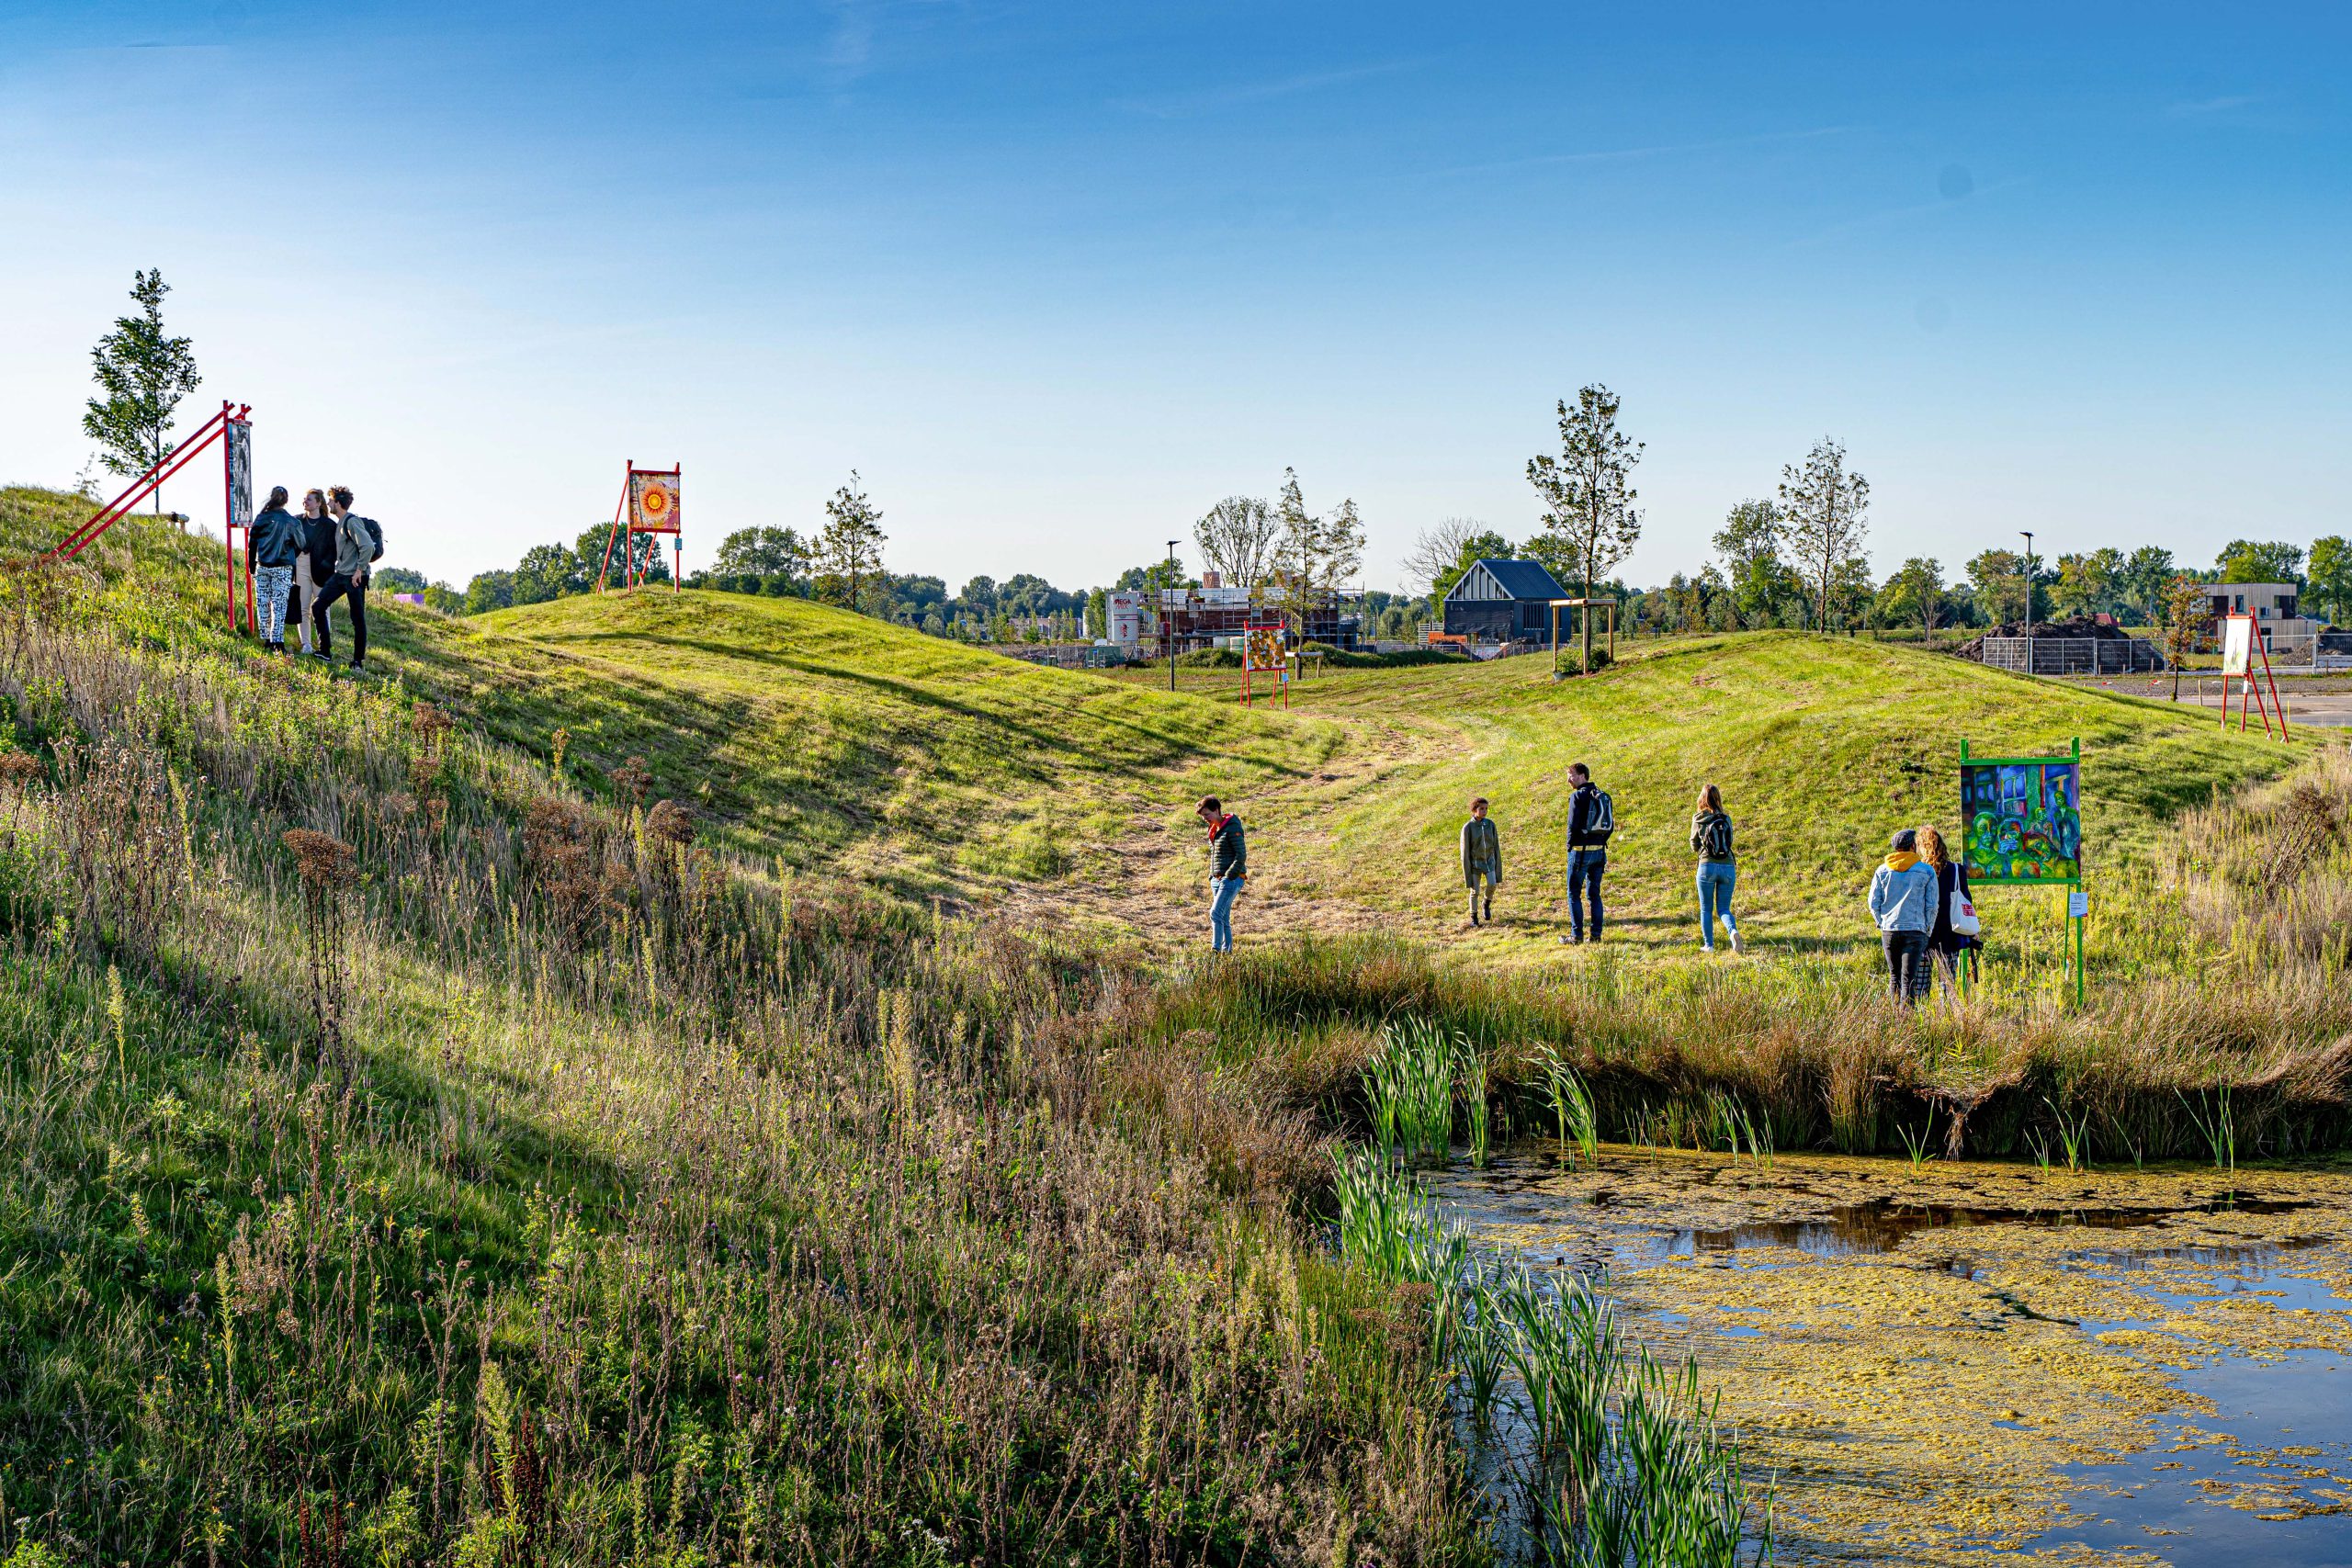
(763, 552)
(1822, 506)
(2331, 576)
(588, 560)
(1917, 590)
(1436, 551)
(1750, 543)
(2089, 582)
(1588, 499)
(2148, 572)
(1302, 530)
(2249, 561)
(1238, 539)
(848, 551)
(1341, 547)
(143, 372)
(2000, 577)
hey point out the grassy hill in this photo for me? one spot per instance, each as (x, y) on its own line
(1822, 747)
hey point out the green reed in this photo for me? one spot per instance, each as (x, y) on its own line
(1409, 1084)
(1572, 1108)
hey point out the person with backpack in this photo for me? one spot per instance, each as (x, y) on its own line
(1718, 870)
(1482, 859)
(271, 544)
(1592, 817)
(358, 544)
(1955, 926)
(1903, 899)
(1228, 869)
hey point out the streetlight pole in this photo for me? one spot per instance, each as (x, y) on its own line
(2028, 534)
(1166, 623)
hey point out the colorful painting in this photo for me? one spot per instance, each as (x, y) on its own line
(2024, 819)
(1262, 646)
(656, 498)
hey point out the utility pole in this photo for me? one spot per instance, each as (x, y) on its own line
(2028, 532)
(1166, 623)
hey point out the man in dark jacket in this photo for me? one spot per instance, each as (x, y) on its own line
(270, 547)
(1591, 818)
(1228, 869)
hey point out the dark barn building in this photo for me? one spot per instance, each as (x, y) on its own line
(1502, 601)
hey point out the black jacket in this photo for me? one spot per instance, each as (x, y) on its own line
(1228, 855)
(1941, 937)
(318, 543)
(1580, 806)
(274, 538)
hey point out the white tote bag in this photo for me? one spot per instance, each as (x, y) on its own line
(1963, 914)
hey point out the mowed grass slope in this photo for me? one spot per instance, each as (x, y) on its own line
(828, 737)
(1822, 747)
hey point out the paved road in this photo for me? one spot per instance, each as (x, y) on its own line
(2329, 706)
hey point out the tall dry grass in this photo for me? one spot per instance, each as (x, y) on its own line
(403, 1160)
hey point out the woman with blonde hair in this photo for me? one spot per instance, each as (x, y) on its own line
(1945, 944)
(1718, 869)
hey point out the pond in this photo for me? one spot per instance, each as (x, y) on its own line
(1978, 1363)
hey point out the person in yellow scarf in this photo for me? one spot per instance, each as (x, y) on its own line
(1903, 901)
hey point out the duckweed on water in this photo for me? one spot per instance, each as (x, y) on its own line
(1961, 1364)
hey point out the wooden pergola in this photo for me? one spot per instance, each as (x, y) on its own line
(1560, 604)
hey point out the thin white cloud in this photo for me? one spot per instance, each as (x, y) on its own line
(2198, 109)
(1624, 154)
(1209, 100)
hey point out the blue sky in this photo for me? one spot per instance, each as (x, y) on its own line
(1054, 279)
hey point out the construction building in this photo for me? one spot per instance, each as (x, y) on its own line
(1214, 615)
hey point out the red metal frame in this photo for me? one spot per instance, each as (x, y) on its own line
(2257, 647)
(213, 429)
(626, 515)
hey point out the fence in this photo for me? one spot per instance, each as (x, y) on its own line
(2072, 655)
(1065, 655)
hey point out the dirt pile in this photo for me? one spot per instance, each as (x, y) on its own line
(2082, 627)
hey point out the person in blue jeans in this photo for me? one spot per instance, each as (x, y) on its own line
(1228, 869)
(1591, 818)
(1718, 869)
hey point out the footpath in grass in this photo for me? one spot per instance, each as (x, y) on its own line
(1823, 747)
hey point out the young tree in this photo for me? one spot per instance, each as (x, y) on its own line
(143, 372)
(1238, 541)
(2331, 576)
(1750, 543)
(2184, 619)
(848, 551)
(1436, 551)
(1822, 506)
(1588, 500)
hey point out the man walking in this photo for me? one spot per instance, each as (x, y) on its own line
(1482, 859)
(1228, 869)
(1903, 901)
(1592, 817)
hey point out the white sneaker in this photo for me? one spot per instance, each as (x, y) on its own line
(1736, 946)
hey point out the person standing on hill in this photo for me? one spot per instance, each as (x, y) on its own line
(271, 545)
(357, 543)
(1903, 896)
(1482, 859)
(1228, 869)
(1718, 871)
(1945, 942)
(1592, 817)
(312, 566)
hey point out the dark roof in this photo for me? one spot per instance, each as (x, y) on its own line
(1521, 579)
